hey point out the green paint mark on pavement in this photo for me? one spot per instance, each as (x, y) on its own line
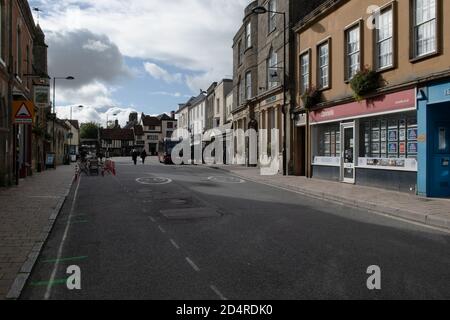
(51, 283)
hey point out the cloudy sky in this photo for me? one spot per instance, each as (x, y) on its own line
(142, 55)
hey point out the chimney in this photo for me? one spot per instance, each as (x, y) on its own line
(172, 115)
(116, 126)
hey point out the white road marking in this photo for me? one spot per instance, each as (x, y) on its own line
(48, 291)
(161, 229)
(193, 265)
(219, 294)
(152, 220)
(175, 244)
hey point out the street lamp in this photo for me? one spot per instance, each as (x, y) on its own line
(54, 106)
(262, 10)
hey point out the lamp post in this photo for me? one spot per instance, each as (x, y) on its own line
(262, 10)
(54, 105)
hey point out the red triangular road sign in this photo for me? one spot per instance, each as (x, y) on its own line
(23, 112)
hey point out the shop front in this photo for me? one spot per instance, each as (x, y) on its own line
(372, 142)
(434, 140)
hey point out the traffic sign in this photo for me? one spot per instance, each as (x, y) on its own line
(23, 112)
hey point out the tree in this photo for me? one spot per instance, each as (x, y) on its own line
(89, 130)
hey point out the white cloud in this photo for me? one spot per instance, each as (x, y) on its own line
(194, 35)
(161, 74)
(95, 94)
(91, 114)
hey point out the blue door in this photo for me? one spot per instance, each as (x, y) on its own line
(440, 179)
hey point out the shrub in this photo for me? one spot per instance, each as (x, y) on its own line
(364, 82)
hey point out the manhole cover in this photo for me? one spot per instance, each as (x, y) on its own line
(178, 201)
(192, 213)
(153, 180)
(225, 179)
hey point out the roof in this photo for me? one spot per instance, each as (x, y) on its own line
(116, 134)
(149, 121)
(197, 100)
(74, 124)
(165, 117)
(138, 130)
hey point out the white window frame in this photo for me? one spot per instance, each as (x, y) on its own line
(248, 35)
(353, 38)
(428, 24)
(272, 16)
(322, 66)
(305, 72)
(272, 63)
(384, 34)
(248, 85)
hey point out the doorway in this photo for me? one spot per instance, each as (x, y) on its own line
(440, 162)
(300, 151)
(348, 153)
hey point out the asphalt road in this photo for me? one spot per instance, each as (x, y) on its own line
(200, 233)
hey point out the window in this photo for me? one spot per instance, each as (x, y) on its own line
(323, 52)
(241, 52)
(304, 72)
(241, 92)
(248, 35)
(19, 53)
(169, 125)
(425, 27)
(384, 39)
(353, 51)
(272, 70)
(217, 105)
(2, 39)
(329, 141)
(272, 15)
(248, 85)
(392, 137)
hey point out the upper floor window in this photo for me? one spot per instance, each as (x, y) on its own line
(19, 53)
(241, 52)
(304, 72)
(248, 35)
(425, 27)
(272, 15)
(241, 92)
(217, 105)
(384, 39)
(272, 70)
(169, 125)
(353, 51)
(2, 29)
(248, 85)
(323, 57)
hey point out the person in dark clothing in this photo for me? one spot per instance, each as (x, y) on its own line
(143, 156)
(134, 155)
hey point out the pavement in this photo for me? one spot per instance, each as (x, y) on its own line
(27, 214)
(427, 211)
(195, 233)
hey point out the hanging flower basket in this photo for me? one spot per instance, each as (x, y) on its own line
(311, 98)
(365, 82)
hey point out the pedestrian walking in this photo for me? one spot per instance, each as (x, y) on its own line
(134, 156)
(143, 156)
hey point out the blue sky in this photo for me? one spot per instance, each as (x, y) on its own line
(139, 55)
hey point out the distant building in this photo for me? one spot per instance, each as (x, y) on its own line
(117, 142)
(152, 127)
(74, 138)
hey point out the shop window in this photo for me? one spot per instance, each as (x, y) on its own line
(329, 141)
(390, 138)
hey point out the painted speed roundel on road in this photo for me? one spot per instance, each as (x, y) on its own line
(225, 179)
(154, 180)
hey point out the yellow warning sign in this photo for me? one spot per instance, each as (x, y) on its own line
(23, 112)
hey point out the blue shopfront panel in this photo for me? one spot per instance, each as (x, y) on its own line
(434, 148)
